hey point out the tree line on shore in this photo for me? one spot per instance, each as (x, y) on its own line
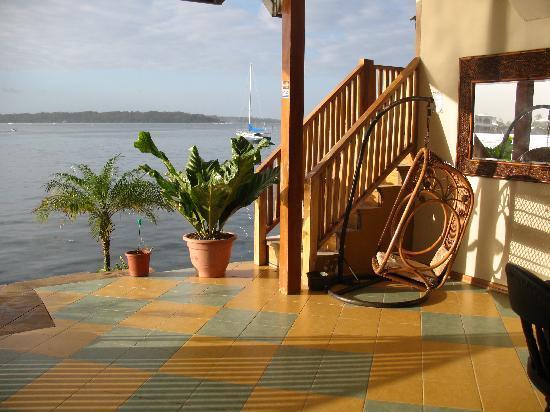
(120, 117)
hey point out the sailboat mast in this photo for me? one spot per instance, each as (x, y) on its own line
(250, 96)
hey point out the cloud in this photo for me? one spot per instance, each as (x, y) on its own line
(176, 35)
(9, 90)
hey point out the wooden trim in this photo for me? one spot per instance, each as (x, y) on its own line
(371, 111)
(531, 64)
(292, 142)
(482, 283)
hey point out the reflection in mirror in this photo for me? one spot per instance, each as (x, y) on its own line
(512, 121)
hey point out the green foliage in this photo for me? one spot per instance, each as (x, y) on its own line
(121, 265)
(100, 196)
(207, 193)
(503, 150)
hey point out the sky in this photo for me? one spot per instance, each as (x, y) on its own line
(170, 55)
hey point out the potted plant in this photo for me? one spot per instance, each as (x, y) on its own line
(100, 196)
(207, 193)
(138, 259)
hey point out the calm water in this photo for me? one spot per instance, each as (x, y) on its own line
(30, 155)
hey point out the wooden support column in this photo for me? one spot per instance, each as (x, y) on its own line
(292, 172)
(522, 131)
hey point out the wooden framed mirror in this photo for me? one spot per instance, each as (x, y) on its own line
(504, 116)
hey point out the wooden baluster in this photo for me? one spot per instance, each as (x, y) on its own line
(349, 109)
(276, 192)
(335, 190)
(390, 134)
(397, 126)
(414, 122)
(311, 222)
(326, 132)
(343, 182)
(260, 232)
(350, 166)
(270, 205)
(411, 113)
(321, 203)
(342, 114)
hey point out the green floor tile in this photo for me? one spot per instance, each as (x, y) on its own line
(523, 354)
(111, 345)
(485, 331)
(222, 329)
(393, 295)
(343, 374)
(208, 300)
(103, 310)
(275, 319)
(292, 368)
(227, 290)
(378, 406)
(218, 396)
(235, 315)
(21, 371)
(158, 339)
(442, 327)
(265, 333)
(183, 290)
(7, 356)
(502, 302)
(145, 358)
(174, 390)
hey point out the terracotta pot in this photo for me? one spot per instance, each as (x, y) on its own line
(138, 262)
(210, 257)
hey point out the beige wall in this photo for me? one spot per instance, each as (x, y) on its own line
(511, 220)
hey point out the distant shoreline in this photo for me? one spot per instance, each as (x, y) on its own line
(122, 118)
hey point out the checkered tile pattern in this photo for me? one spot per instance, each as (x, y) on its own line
(173, 341)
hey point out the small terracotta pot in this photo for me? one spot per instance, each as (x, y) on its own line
(138, 262)
(210, 257)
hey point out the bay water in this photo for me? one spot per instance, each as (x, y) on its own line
(33, 152)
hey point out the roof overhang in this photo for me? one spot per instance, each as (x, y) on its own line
(273, 6)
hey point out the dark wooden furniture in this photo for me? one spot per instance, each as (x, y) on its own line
(530, 299)
(524, 66)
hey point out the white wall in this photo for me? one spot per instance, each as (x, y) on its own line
(511, 220)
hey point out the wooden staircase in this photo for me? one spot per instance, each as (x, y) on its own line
(332, 137)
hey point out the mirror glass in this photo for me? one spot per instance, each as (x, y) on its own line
(500, 104)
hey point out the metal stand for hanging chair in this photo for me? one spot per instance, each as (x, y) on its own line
(430, 181)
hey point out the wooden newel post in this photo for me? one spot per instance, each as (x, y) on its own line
(292, 172)
(260, 235)
(367, 86)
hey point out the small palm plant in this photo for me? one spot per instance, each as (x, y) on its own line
(101, 196)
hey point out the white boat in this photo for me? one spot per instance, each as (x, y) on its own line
(253, 134)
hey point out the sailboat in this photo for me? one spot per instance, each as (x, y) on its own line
(253, 134)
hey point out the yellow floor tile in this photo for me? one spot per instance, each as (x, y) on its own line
(71, 339)
(515, 331)
(396, 372)
(197, 357)
(58, 300)
(399, 323)
(354, 335)
(89, 399)
(54, 386)
(248, 302)
(476, 304)
(502, 381)
(324, 403)
(313, 332)
(181, 324)
(286, 304)
(360, 312)
(195, 311)
(324, 310)
(243, 363)
(276, 400)
(441, 301)
(117, 380)
(449, 379)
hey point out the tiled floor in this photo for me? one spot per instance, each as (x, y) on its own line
(173, 341)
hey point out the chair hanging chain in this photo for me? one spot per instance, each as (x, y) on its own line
(428, 116)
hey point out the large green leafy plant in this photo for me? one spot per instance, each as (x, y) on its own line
(100, 196)
(207, 193)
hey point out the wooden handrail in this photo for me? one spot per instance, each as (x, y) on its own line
(371, 111)
(324, 128)
(328, 183)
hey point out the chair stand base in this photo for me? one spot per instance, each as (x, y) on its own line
(339, 292)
